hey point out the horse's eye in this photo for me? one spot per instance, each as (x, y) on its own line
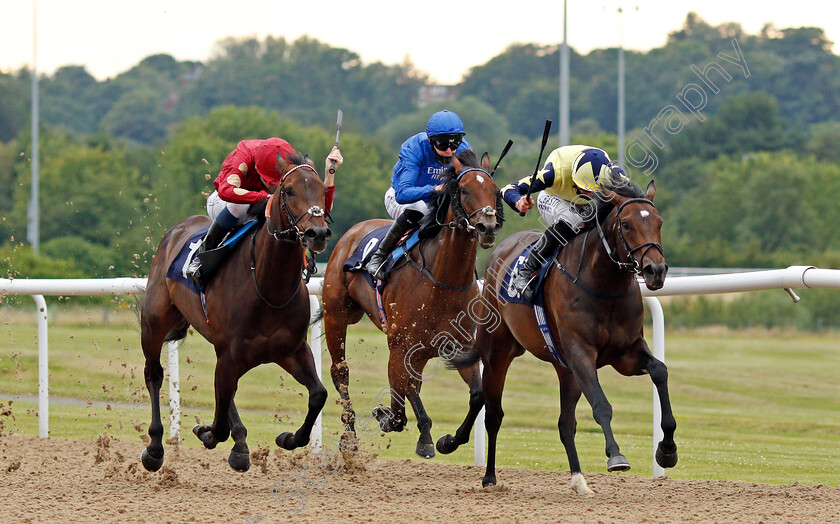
(289, 192)
(625, 225)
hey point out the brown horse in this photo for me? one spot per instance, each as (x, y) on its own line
(435, 285)
(595, 316)
(257, 311)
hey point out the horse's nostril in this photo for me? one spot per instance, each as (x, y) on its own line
(328, 234)
(481, 228)
(310, 234)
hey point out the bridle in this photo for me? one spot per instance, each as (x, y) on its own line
(634, 266)
(462, 219)
(297, 233)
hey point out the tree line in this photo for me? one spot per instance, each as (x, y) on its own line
(749, 185)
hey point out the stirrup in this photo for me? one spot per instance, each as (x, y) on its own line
(373, 273)
(525, 290)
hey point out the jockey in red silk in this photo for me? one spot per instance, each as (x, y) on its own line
(248, 175)
(417, 179)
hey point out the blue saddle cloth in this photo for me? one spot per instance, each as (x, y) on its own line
(178, 269)
(508, 293)
(367, 247)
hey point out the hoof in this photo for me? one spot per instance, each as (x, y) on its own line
(149, 462)
(488, 481)
(205, 436)
(666, 460)
(239, 461)
(618, 463)
(286, 440)
(446, 444)
(425, 451)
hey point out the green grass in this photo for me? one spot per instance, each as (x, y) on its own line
(751, 406)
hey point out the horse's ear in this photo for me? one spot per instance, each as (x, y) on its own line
(650, 192)
(485, 161)
(308, 160)
(281, 163)
(457, 164)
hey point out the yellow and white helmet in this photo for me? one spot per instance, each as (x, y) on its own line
(591, 169)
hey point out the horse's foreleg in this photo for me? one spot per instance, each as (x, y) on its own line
(567, 424)
(239, 458)
(425, 448)
(586, 375)
(666, 451)
(448, 443)
(152, 456)
(301, 365)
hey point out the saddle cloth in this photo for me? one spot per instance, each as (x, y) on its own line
(360, 257)
(177, 271)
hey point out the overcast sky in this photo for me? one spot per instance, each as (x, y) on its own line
(443, 39)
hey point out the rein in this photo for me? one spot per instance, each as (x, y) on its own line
(633, 265)
(254, 278)
(425, 272)
(295, 232)
(314, 211)
(462, 220)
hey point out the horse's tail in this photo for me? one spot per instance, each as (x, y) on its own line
(318, 317)
(463, 359)
(178, 333)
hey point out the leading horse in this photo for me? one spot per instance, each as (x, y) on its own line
(257, 311)
(593, 312)
(433, 287)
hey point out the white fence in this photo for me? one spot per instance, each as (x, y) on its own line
(787, 279)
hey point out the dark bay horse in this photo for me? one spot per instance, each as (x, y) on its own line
(593, 307)
(257, 311)
(425, 299)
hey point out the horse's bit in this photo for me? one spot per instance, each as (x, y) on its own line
(634, 266)
(314, 211)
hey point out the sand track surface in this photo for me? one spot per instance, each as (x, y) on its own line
(59, 480)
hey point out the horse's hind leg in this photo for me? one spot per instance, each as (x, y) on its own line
(301, 366)
(239, 458)
(449, 443)
(586, 375)
(567, 424)
(425, 447)
(165, 323)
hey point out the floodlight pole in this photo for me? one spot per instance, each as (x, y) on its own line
(620, 85)
(564, 85)
(33, 233)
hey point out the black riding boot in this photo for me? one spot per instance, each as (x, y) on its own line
(408, 219)
(558, 234)
(212, 239)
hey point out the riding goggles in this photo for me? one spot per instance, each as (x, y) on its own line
(444, 142)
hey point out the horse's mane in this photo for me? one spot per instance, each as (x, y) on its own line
(620, 186)
(430, 226)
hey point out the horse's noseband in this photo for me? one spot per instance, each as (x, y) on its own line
(633, 265)
(314, 211)
(462, 220)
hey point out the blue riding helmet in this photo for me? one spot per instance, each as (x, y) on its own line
(445, 123)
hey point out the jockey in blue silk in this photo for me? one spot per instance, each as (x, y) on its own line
(569, 177)
(418, 179)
